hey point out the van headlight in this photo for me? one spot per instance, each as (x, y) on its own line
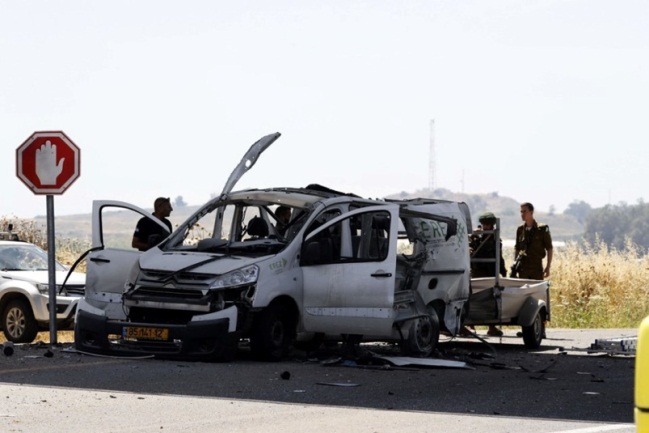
(240, 277)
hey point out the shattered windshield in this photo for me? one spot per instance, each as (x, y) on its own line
(239, 224)
(24, 258)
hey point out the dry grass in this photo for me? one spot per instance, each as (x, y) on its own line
(598, 287)
(44, 337)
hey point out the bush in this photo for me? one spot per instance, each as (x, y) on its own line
(67, 250)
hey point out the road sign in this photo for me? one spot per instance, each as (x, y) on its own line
(48, 162)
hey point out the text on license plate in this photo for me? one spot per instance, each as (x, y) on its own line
(144, 333)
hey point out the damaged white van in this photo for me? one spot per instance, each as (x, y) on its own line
(334, 265)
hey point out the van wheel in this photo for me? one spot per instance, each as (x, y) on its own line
(18, 323)
(533, 335)
(273, 333)
(312, 344)
(423, 335)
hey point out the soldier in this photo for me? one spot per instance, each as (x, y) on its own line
(483, 246)
(533, 244)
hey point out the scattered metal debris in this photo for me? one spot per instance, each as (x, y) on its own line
(610, 346)
(625, 345)
(8, 348)
(401, 361)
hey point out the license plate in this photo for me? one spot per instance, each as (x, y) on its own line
(143, 333)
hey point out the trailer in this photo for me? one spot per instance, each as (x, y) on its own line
(505, 301)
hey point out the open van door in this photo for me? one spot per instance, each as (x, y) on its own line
(111, 257)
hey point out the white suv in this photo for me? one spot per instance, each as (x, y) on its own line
(24, 291)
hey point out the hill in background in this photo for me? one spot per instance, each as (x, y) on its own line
(563, 227)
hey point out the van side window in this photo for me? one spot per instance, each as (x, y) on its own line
(370, 235)
(359, 238)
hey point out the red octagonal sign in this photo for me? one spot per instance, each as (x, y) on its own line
(48, 162)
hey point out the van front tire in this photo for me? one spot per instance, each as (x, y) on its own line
(273, 333)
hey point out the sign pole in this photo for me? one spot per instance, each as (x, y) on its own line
(48, 162)
(51, 267)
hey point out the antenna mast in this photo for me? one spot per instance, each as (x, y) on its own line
(431, 158)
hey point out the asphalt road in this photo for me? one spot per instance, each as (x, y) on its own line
(497, 386)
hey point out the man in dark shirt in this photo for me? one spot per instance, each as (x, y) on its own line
(147, 233)
(533, 244)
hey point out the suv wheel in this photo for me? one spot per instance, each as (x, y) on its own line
(18, 323)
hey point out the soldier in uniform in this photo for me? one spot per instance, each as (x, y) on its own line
(533, 244)
(483, 245)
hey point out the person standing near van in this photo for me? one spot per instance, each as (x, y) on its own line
(533, 244)
(146, 228)
(483, 246)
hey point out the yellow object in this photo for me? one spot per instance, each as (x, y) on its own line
(641, 413)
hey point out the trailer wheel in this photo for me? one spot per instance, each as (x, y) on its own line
(423, 335)
(533, 335)
(273, 333)
(18, 322)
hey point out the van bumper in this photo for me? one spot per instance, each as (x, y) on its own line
(213, 338)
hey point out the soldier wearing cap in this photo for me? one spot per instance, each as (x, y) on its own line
(483, 246)
(533, 244)
(147, 232)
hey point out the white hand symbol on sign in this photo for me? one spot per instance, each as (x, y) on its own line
(47, 169)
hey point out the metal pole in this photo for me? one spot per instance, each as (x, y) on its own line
(51, 268)
(498, 252)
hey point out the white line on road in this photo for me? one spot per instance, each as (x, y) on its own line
(599, 428)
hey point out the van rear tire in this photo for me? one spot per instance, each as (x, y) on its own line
(423, 335)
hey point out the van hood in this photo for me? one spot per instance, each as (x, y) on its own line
(248, 160)
(197, 262)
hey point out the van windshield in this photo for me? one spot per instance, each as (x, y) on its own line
(240, 225)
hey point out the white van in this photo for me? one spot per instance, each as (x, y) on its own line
(342, 266)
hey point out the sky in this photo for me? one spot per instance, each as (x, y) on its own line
(544, 101)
